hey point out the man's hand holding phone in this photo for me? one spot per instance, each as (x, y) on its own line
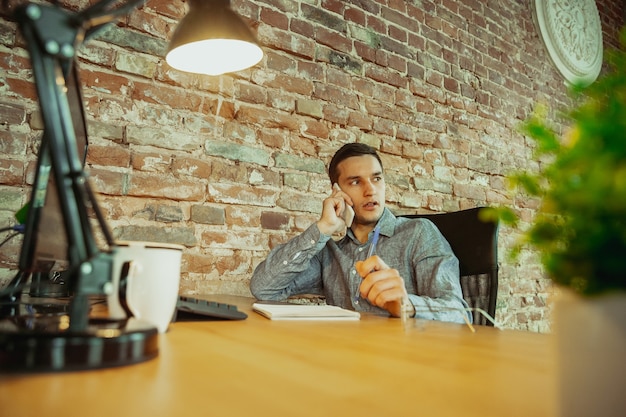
(337, 212)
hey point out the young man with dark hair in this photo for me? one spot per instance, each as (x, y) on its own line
(412, 265)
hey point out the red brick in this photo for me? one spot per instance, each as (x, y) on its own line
(400, 19)
(251, 93)
(242, 194)
(147, 22)
(195, 262)
(174, 97)
(398, 34)
(108, 155)
(272, 139)
(193, 167)
(223, 171)
(109, 182)
(11, 114)
(392, 147)
(302, 27)
(21, 88)
(13, 63)
(151, 162)
(336, 40)
(174, 188)
(13, 143)
(405, 132)
(292, 84)
(451, 84)
(360, 120)
(417, 42)
(11, 172)
(280, 62)
(336, 95)
(353, 14)
(273, 18)
(365, 51)
(105, 82)
(222, 108)
(474, 192)
(384, 126)
(311, 71)
(415, 70)
(233, 240)
(390, 77)
(364, 86)
(338, 77)
(243, 216)
(298, 45)
(274, 220)
(315, 128)
(336, 114)
(175, 10)
(307, 146)
(336, 6)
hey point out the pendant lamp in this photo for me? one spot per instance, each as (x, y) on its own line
(211, 39)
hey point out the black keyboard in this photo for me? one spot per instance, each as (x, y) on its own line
(208, 309)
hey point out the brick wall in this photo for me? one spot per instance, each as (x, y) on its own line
(230, 166)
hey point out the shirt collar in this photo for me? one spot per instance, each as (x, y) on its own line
(387, 223)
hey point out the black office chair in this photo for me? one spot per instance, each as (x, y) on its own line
(474, 241)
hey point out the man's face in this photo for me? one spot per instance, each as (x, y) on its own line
(361, 177)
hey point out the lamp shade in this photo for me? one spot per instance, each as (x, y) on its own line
(211, 39)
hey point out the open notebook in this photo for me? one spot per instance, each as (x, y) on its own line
(304, 312)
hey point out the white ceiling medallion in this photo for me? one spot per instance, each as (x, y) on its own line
(572, 33)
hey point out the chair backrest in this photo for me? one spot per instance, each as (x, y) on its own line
(474, 241)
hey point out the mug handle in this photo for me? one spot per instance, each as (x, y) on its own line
(121, 293)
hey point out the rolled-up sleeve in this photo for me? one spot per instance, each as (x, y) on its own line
(291, 268)
(437, 294)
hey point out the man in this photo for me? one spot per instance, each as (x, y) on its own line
(412, 261)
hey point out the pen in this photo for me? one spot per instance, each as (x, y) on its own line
(372, 248)
(370, 252)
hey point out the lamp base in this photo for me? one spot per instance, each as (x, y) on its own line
(43, 343)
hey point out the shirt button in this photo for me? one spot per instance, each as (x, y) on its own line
(312, 242)
(360, 249)
(353, 271)
(285, 262)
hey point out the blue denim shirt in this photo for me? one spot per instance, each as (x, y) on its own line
(314, 263)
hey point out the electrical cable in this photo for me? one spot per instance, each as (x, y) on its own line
(16, 228)
(8, 238)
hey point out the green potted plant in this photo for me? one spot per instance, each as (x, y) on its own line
(579, 232)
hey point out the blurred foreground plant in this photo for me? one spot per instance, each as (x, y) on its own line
(580, 228)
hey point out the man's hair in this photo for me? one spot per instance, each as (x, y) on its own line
(346, 151)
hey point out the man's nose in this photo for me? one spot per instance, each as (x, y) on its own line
(369, 187)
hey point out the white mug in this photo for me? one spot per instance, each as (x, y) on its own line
(145, 280)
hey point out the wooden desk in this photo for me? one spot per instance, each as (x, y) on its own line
(258, 367)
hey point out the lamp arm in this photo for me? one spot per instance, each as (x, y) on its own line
(53, 36)
(104, 12)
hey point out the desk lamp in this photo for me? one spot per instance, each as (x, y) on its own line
(73, 340)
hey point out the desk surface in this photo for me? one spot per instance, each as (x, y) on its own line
(371, 367)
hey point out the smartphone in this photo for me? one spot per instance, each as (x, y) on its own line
(348, 212)
(348, 215)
